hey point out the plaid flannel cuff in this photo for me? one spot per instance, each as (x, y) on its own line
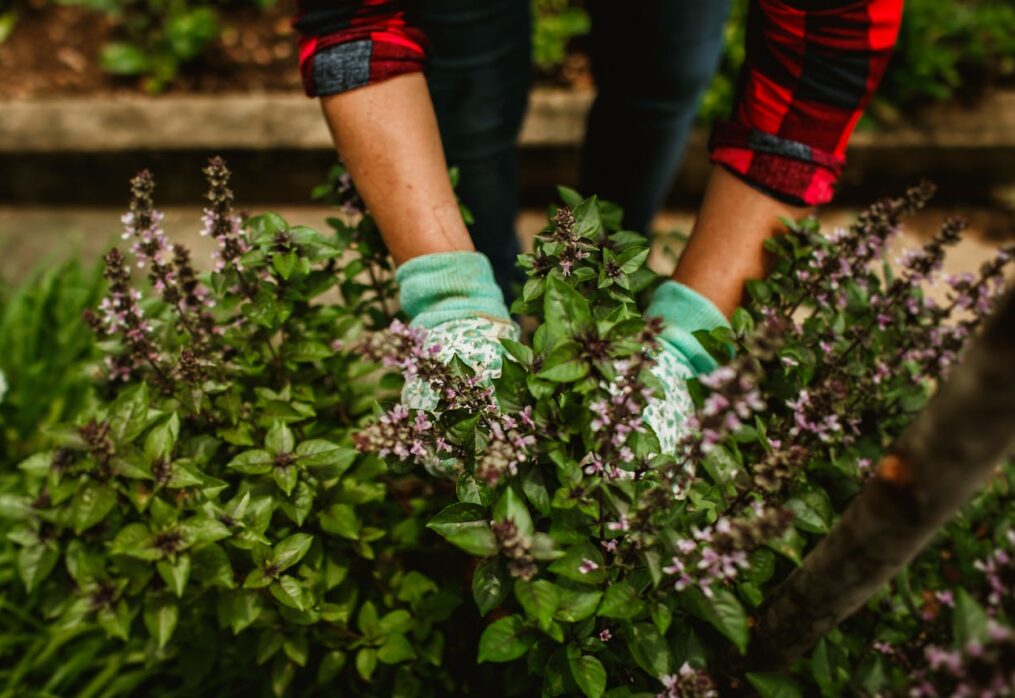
(353, 58)
(787, 170)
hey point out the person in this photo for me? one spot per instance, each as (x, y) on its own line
(408, 86)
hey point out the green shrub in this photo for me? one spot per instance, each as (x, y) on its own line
(556, 23)
(157, 38)
(154, 39)
(622, 567)
(215, 491)
(47, 355)
(244, 509)
(949, 49)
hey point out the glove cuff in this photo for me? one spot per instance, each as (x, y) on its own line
(684, 312)
(436, 288)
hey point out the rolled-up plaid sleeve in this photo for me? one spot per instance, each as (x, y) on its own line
(811, 69)
(345, 44)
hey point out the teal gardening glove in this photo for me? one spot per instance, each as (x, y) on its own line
(454, 297)
(681, 357)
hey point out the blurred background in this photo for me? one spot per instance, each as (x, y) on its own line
(93, 90)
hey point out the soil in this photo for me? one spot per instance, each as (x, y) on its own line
(54, 50)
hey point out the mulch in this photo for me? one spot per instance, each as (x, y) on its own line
(54, 50)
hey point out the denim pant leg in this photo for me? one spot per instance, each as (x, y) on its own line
(479, 73)
(651, 60)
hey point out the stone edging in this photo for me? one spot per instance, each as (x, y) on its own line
(293, 122)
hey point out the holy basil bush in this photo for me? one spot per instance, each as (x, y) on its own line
(250, 509)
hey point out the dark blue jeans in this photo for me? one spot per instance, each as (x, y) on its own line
(651, 60)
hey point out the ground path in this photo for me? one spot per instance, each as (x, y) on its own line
(34, 236)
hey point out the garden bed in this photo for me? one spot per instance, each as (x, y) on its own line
(54, 50)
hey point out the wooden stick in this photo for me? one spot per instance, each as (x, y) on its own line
(942, 459)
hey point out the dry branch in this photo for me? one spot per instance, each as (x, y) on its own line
(941, 460)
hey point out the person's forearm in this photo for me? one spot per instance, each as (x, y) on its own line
(387, 136)
(726, 245)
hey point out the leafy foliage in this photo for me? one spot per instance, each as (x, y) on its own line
(46, 355)
(154, 39)
(948, 50)
(211, 516)
(611, 559)
(242, 508)
(556, 23)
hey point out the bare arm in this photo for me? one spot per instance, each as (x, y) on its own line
(726, 246)
(388, 138)
(799, 98)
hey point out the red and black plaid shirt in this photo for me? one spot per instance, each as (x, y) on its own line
(811, 69)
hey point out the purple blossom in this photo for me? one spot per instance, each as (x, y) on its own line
(945, 598)
(220, 220)
(623, 525)
(406, 348)
(944, 659)
(715, 555)
(688, 681)
(734, 400)
(570, 248)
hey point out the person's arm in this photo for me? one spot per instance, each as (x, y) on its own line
(812, 67)
(726, 245)
(364, 61)
(387, 135)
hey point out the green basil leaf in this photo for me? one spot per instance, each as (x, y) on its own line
(504, 640)
(589, 674)
(490, 585)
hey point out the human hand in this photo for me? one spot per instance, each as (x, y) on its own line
(680, 357)
(476, 341)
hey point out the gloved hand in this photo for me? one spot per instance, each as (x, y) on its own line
(454, 297)
(680, 358)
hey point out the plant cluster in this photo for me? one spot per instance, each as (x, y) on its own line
(45, 354)
(248, 506)
(949, 50)
(210, 513)
(555, 23)
(611, 555)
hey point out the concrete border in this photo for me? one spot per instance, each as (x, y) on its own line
(82, 151)
(556, 119)
(226, 122)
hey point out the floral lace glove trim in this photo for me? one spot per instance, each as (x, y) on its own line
(475, 341)
(454, 297)
(680, 358)
(668, 415)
